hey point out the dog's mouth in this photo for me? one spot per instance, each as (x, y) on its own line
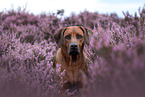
(74, 55)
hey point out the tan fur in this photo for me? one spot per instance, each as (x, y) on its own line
(73, 70)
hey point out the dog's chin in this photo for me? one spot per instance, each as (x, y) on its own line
(74, 56)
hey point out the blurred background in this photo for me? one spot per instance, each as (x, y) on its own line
(74, 6)
(116, 50)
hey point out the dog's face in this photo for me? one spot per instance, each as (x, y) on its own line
(73, 39)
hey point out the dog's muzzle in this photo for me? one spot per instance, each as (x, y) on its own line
(73, 49)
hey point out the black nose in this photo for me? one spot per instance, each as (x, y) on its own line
(73, 49)
(74, 46)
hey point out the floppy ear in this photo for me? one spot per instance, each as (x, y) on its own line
(86, 33)
(58, 36)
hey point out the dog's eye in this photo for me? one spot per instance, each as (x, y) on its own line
(67, 37)
(79, 36)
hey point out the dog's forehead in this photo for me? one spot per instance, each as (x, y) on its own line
(73, 30)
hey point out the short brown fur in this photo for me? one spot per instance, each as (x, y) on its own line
(74, 70)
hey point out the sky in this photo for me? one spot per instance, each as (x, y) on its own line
(75, 6)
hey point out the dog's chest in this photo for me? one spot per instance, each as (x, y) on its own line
(73, 74)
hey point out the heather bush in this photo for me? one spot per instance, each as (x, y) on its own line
(116, 53)
(118, 68)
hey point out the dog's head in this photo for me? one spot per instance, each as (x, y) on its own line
(73, 39)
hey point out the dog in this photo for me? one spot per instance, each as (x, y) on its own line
(71, 57)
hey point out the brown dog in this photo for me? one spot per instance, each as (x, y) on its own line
(70, 56)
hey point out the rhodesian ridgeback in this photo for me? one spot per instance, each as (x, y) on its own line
(70, 56)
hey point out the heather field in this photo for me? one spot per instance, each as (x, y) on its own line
(116, 53)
